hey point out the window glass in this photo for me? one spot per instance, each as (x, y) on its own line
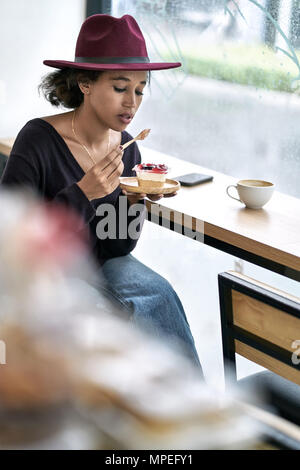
(234, 105)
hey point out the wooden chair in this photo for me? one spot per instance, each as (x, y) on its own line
(262, 324)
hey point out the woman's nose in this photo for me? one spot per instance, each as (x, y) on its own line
(130, 100)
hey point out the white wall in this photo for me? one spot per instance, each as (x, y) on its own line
(30, 32)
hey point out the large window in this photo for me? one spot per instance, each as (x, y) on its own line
(234, 106)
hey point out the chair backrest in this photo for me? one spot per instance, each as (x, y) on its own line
(260, 323)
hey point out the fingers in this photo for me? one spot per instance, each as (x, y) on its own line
(111, 159)
(156, 197)
(115, 170)
(152, 197)
(133, 198)
(140, 195)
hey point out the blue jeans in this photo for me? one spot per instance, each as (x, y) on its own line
(149, 300)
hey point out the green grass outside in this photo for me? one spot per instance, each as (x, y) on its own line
(257, 66)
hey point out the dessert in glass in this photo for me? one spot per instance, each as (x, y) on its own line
(151, 176)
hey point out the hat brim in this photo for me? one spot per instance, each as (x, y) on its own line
(61, 64)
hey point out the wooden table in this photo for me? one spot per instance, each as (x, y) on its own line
(269, 237)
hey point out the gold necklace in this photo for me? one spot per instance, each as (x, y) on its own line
(82, 145)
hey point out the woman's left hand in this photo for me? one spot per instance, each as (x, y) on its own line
(136, 197)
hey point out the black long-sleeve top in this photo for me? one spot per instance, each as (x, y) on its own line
(41, 160)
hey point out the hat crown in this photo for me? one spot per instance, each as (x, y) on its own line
(108, 43)
(105, 36)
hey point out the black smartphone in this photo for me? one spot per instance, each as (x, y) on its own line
(191, 179)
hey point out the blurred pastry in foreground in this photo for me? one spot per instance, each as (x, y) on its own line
(35, 387)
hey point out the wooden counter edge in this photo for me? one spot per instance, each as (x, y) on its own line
(235, 239)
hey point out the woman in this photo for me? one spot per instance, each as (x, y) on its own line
(76, 158)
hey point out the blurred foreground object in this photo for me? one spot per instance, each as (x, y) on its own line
(77, 374)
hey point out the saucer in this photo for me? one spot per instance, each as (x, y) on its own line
(130, 184)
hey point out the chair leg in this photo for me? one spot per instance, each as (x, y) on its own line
(227, 333)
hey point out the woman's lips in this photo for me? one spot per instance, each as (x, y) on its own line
(125, 118)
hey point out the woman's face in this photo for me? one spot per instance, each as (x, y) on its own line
(116, 96)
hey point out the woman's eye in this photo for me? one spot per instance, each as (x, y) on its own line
(119, 90)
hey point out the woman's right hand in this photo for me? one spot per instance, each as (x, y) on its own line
(103, 178)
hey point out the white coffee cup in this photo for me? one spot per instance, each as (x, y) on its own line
(253, 193)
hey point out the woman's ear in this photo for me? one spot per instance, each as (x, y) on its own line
(84, 87)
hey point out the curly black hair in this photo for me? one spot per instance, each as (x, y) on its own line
(61, 88)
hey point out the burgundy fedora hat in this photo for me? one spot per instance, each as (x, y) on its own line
(108, 43)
